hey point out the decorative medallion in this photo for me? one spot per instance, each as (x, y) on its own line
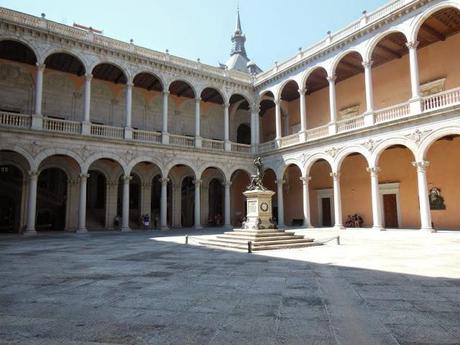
(332, 151)
(264, 207)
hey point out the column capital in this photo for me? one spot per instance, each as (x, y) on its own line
(280, 181)
(197, 99)
(164, 181)
(302, 91)
(197, 183)
(277, 102)
(84, 176)
(421, 165)
(335, 175)
(367, 63)
(374, 171)
(40, 66)
(33, 173)
(88, 76)
(226, 104)
(305, 179)
(129, 84)
(127, 178)
(331, 78)
(166, 93)
(226, 184)
(412, 44)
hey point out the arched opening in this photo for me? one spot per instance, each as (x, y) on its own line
(317, 99)
(212, 114)
(188, 202)
(156, 202)
(147, 104)
(243, 135)
(321, 194)
(240, 114)
(398, 188)
(240, 180)
(290, 112)
(350, 86)
(442, 179)
(269, 181)
(438, 53)
(355, 187)
(213, 197)
(183, 195)
(17, 70)
(268, 117)
(181, 109)
(108, 95)
(391, 71)
(13, 191)
(135, 221)
(63, 87)
(96, 200)
(51, 200)
(292, 196)
(102, 194)
(11, 183)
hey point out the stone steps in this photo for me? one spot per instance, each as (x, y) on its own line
(260, 240)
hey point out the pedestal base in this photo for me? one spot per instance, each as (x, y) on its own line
(259, 210)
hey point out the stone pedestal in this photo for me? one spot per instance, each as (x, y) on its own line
(259, 210)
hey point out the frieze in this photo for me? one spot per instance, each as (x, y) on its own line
(417, 136)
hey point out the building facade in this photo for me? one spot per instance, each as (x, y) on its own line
(96, 133)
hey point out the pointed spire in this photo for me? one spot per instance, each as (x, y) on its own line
(238, 37)
(238, 22)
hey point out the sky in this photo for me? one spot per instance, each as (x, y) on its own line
(202, 28)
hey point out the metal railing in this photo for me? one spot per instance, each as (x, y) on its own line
(61, 126)
(148, 136)
(107, 131)
(15, 120)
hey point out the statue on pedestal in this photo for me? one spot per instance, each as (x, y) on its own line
(256, 180)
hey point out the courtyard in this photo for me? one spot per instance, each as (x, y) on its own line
(394, 287)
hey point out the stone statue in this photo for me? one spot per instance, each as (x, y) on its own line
(256, 180)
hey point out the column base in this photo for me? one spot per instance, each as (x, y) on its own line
(82, 231)
(165, 138)
(30, 233)
(369, 118)
(128, 133)
(428, 230)
(307, 225)
(164, 228)
(332, 128)
(303, 136)
(378, 228)
(86, 128)
(126, 229)
(198, 227)
(339, 227)
(415, 106)
(37, 121)
(277, 143)
(228, 145)
(198, 141)
(228, 227)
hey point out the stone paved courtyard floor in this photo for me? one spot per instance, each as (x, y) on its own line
(394, 287)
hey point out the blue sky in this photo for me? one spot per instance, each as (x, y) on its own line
(192, 29)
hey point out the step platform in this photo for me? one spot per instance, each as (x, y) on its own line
(267, 239)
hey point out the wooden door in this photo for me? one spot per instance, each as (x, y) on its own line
(326, 211)
(390, 211)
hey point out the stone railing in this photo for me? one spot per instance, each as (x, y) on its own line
(318, 132)
(15, 120)
(61, 126)
(236, 147)
(181, 140)
(350, 124)
(212, 144)
(392, 113)
(265, 147)
(148, 136)
(441, 100)
(332, 38)
(290, 140)
(107, 131)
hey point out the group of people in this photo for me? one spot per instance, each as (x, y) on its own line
(354, 221)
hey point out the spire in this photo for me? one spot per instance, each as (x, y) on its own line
(238, 37)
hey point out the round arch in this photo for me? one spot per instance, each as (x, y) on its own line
(26, 44)
(369, 50)
(380, 148)
(310, 71)
(142, 159)
(316, 157)
(280, 88)
(20, 151)
(76, 55)
(154, 75)
(104, 155)
(42, 156)
(282, 169)
(338, 59)
(432, 138)
(185, 81)
(124, 71)
(210, 87)
(348, 151)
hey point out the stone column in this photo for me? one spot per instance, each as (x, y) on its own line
(125, 212)
(32, 203)
(227, 219)
(254, 126)
(337, 200)
(82, 208)
(332, 105)
(280, 199)
(303, 116)
(146, 200)
(197, 122)
(197, 184)
(37, 119)
(306, 202)
(369, 115)
(86, 125)
(425, 212)
(228, 146)
(278, 122)
(416, 101)
(376, 201)
(164, 203)
(165, 134)
(129, 101)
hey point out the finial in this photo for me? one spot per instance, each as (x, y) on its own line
(43, 15)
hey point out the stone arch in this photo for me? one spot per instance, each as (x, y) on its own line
(22, 152)
(338, 59)
(311, 70)
(349, 150)
(211, 166)
(291, 161)
(369, 50)
(234, 169)
(57, 151)
(432, 138)
(316, 157)
(167, 169)
(122, 68)
(183, 80)
(146, 159)
(153, 74)
(104, 155)
(419, 20)
(280, 88)
(380, 148)
(56, 50)
(213, 87)
(26, 43)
